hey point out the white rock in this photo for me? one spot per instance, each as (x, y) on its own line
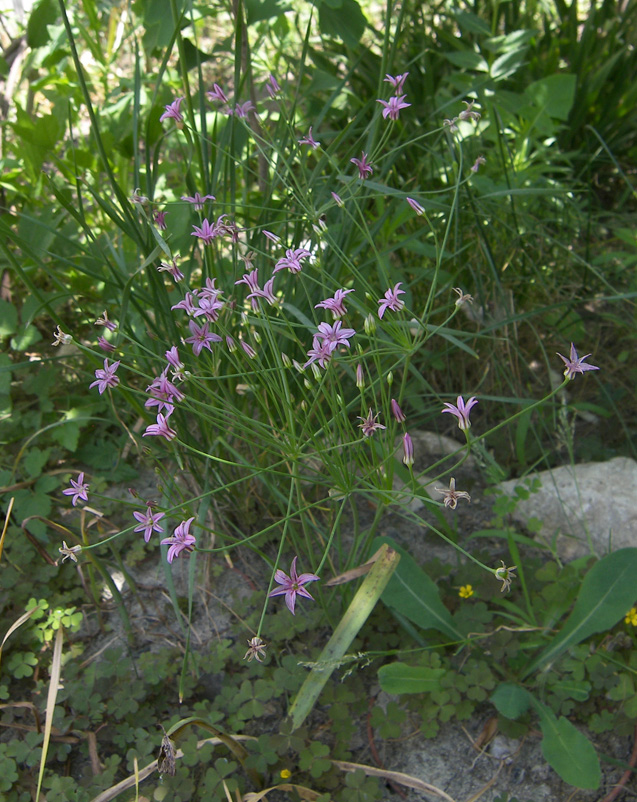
(594, 499)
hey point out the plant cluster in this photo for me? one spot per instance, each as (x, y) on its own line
(293, 261)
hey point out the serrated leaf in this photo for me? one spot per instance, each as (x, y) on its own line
(401, 678)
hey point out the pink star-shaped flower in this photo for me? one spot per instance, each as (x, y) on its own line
(461, 411)
(575, 364)
(292, 586)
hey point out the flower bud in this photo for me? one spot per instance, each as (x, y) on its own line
(360, 376)
(397, 411)
(370, 325)
(390, 379)
(248, 349)
(408, 450)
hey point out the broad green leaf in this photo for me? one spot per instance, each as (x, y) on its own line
(472, 23)
(508, 63)
(568, 750)
(510, 700)
(355, 616)
(415, 595)
(555, 93)
(565, 748)
(347, 22)
(8, 319)
(5, 374)
(401, 678)
(257, 10)
(468, 60)
(27, 336)
(42, 14)
(608, 590)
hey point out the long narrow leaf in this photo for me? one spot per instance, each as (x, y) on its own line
(355, 616)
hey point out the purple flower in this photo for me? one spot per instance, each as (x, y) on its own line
(476, 165)
(320, 352)
(338, 200)
(180, 541)
(364, 168)
(268, 292)
(272, 237)
(293, 260)
(188, 304)
(461, 411)
(241, 109)
(309, 140)
(397, 82)
(292, 586)
(198, 200)
(209, 306)
(334, 335)
(336, 304)
(397, 411)
(172, 112)
(106, 377)
(393, 106)
(104, 321)
(161, 428)
(206, 232)
(391, 301)
(201, 337)
(172, 357)
(217, 93)
(160, 219)
(272, 87)
(164, 394)
(148, 522)
(575, 364)
(79, 490)
(104, 344)
(408, 450)
(210, 291)
(415, 206)
(174, 271)
(370, 424)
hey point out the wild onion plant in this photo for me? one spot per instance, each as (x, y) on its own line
(266, 338)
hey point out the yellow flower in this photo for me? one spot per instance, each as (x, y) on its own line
(631, 617)
(465, 592)
(286, 774)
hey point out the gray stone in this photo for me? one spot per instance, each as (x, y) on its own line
(594, 500)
